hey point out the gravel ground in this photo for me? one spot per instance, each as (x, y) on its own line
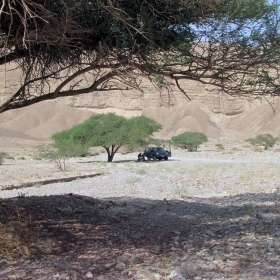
(201, 174)
(205, 215)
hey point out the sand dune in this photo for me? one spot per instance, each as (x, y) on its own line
(42, 120)
(38, 122)
(262, 119)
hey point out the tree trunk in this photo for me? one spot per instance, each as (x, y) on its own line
(111, 153)
(110, 157)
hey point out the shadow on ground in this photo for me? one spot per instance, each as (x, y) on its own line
(85, 233)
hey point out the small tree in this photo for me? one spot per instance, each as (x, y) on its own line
(189, 140)
(266, 140)
(60, 153)
(110, 132)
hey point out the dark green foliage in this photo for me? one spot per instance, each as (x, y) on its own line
(266, 140)
(189, 140)
(108, 131)
(230, 44)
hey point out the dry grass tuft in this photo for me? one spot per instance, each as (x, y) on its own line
(18, 235)
(258, 149)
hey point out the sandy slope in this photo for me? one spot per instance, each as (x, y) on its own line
(25, 127)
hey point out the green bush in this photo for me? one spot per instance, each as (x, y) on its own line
(266, 140)
(4, 156)
(189, 140)
(60, 153)
(220, 146)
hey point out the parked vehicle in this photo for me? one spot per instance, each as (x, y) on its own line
(155, 153)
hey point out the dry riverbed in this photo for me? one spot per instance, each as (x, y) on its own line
(205, 215)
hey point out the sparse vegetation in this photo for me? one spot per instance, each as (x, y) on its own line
(2, 156)
(18, 237)
(258, 149)
(180, 190)
(21, 158)
(49, 152)
(60, 153)
(189, 140)
(246, 146)
(220, 146)
(141, 171)
(133, 180)
(266, 140)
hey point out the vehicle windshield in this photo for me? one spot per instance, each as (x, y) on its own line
(158, 149)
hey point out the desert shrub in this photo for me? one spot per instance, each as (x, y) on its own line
(220, 146)
(21, 158)
(60, 153)
(2, 157)
(189, 140)
(266, 140)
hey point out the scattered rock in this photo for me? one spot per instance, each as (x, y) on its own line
(89, 275)
(120, 266)
(147, 275)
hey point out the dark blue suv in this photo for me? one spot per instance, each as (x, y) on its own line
(155, 153)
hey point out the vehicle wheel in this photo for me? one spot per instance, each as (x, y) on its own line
(166, 158)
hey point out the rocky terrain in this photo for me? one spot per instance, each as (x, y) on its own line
(206, 215)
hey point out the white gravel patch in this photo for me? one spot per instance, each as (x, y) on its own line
(200, 174)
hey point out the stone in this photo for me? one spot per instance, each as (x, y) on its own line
(137, 259)
(191, 267)
(147, 275)
(89, 275)
(178, 272)
(120, 266)
(270, 243)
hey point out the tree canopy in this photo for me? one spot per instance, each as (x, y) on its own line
(189, 140)
(108, 131)
(233, 45)
(266, 140)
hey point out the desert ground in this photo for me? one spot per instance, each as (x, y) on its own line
(211, 214)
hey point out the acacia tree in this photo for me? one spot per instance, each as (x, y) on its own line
(189, 140)
(233, 45)
(266, 140)
(110, 132)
